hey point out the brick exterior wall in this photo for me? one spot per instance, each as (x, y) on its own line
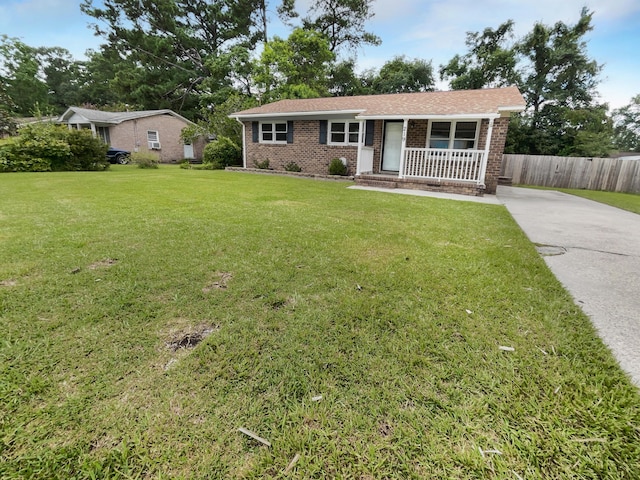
(494, 161)
(314, 158)
(132, 135)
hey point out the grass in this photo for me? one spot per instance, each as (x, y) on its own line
(392, 308)
(625, 201)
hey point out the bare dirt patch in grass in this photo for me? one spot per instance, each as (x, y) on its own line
(106, 263)
(8, 283)
(220, 283)
(190, 337)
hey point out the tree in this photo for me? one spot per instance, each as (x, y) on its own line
(401, 75)
(21, 75)
(167, 48)
(295, 68)
(7, 123)
(559, 84)
(627, 126)
(342, 21)
(490, 61)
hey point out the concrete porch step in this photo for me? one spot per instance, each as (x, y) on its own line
(505, 181)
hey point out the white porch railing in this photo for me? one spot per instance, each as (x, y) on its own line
(443, 163)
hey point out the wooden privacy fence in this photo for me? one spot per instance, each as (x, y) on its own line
(612, 174)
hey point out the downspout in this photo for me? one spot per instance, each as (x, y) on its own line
(244, 148)
(485, 157)
(403, 148)
(360, 142)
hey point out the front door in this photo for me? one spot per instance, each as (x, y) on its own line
(392, 147)
(188, 151)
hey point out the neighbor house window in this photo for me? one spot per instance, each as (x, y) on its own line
(344, 132)
(153, 139)
(457, 135)
(273, 132)
(103, 133)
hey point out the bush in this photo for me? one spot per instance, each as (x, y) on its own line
(336, 167)
(42, 147)
(145, 159)
(292, 167)
(222, 153)
(87, 151)
(264, 165)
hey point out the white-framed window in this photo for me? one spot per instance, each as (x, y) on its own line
(153, 139)
(344, 132)
(461, 135)
(103, 133)
(273, 132)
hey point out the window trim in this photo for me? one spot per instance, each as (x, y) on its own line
(274, 132)
(452, 134)
(346, 132)
(153, 144)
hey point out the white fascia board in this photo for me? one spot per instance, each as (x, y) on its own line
(460, 116)
(518, 108)
(294, 115)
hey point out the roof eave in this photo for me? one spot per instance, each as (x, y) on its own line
(314, 113)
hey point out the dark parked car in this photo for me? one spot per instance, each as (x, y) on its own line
(117, 155)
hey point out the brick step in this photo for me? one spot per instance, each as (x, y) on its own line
(377, 183)
(505, 181)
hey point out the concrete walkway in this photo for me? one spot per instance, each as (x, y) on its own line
(594, 250)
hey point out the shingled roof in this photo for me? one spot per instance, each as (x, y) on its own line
(114, 118)
(450, 103)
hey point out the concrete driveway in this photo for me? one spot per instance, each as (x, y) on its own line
(594, 250)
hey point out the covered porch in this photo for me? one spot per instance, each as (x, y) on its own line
(445, 153)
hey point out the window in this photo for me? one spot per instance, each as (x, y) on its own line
(464, 135)
(344, 132)
(153, 139)
(103, 133)
(273, 132)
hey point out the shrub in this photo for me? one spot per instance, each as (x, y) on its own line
(43, 147)
(264, 165)
(145, 159)
(336, 167)
(87, 151)
(292, 167)
(222, 153)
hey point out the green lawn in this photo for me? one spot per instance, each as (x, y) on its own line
(392, 308)
(625, 201)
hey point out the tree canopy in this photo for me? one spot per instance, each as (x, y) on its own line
(203, 57)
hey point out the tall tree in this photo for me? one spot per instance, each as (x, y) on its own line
(342, 21)
(297, 67)
(169, 46)
(490, 61)
(627, 126)
(21, 75)
(559, 79)
(400, 75)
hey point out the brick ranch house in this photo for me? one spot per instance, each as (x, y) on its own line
(445, 141)
(155, 131)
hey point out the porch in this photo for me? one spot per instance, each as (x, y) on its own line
(435, 169)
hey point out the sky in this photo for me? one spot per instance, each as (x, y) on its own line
(432, 30)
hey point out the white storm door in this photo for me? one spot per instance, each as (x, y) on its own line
(392, 146)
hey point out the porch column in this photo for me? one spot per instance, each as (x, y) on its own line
(93, 130)
(360, 143)
(485, 157)
(403, 148)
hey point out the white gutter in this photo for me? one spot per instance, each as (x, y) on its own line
(485, 157)
(314, 113)
(244, 138)
(360, 143)
(459, 116)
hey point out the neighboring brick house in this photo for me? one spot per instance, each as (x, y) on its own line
(446, 141)
(142, 131)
